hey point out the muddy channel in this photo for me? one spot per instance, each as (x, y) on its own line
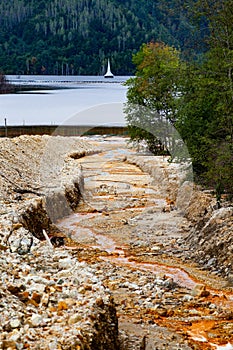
(127, 226)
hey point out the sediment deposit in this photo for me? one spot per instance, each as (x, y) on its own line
(48, 299)
(130, 264)
(39, 179)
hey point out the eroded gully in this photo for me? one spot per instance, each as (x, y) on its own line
(121, 226)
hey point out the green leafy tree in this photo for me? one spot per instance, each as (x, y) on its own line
(155, 88)
(206, 112)
(197, 96)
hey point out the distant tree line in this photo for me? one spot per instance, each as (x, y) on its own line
(78, 36)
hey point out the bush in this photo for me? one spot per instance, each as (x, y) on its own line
(5, 86)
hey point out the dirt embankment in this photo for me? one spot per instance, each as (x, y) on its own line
(47, 291)
(49, 299)
(210, 237)
(39, 182)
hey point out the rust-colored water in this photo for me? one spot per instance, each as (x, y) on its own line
(203, 330)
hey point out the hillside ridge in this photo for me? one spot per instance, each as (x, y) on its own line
(77, 37)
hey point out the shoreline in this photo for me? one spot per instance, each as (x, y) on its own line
(62, 130)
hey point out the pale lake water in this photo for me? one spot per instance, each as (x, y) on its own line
(89, 100)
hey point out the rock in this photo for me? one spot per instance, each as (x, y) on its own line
(100, 303)
(65, 263)
(164, 312)
(230, 279)
(15, 323)
(36, 320)
(62, 305)
(16, 290)
(200, 291)
(211, 262)
(37, 288)
(155, 248)
(3, 247)
(9, 345)
(36, 297)
(75, 318)
(35, 302)
(187, 297)
(170, 284)
(14, 336)
(44, 299)
(227, 315)
(184, 195)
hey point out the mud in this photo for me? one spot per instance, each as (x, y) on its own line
(138, 233)
(129, 227)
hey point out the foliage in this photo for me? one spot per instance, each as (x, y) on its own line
(5, 86)
(78, 36)
(155, 88)
(206, 113)
(201, 105)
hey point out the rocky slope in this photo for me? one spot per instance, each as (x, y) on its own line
(39, 181)
(51, 301)
(61, 297)
(210, 236)
(48, 299)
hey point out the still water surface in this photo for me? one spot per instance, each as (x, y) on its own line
(78, 101)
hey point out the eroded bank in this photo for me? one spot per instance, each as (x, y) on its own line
(129, 237)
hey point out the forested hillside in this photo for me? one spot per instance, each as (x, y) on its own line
(78, 36)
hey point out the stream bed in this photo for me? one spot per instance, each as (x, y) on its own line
(127, 228)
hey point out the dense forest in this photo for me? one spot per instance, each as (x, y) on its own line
(78, 36)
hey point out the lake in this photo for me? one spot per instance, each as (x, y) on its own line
(76, 100)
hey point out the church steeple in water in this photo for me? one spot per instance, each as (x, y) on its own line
(109, 73)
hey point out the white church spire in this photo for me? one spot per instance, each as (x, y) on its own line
(109, 73)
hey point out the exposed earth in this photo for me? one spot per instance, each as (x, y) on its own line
(143, 261)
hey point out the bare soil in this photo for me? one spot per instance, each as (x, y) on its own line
(129, 228)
